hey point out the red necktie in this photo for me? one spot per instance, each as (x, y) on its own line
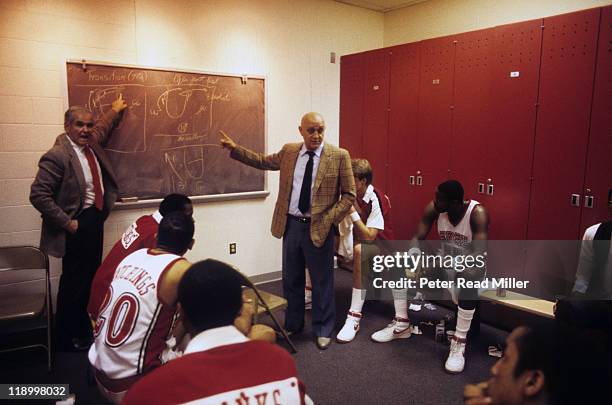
(98, 197)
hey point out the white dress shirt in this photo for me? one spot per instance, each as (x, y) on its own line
(89, 188)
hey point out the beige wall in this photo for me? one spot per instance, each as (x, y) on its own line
(288, 41)
(436, 18)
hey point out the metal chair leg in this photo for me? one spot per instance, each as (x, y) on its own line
(49, 327)
(247, 283)
(276, 322)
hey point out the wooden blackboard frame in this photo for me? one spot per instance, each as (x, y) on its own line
(144, 203)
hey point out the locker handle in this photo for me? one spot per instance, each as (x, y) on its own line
(411, 181)
(480, 188)
(588, 201)
(490, 189)
(575, 200)
(419, 180)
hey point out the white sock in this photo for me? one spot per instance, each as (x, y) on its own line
(308, 281)
(464, 320)
(400, 303)
(357, 300)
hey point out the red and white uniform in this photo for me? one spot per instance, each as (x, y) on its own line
(140, 235)
(133, 323)
(220, 366)
(456, 239)
(376, 212)
(587, 261)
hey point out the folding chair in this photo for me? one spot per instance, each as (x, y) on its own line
(269, 303)
(26, 305)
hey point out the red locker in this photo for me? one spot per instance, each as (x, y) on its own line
(375, 113)
(566, 86)
(569, 46)
(511, 122)
(352, 76)
(434, 117)
(472, 82)
(403, 101)
(598, 177)
(511, 127)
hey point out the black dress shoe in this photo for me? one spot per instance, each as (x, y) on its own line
(289, 333)
(81, 345)
(323, 342)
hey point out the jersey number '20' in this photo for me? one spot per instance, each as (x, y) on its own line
(122, 319)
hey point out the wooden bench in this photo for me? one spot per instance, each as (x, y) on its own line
(522, 302)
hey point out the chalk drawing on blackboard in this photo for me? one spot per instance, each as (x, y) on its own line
(167, 139)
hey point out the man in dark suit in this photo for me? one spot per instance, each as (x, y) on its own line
(75, 190)
(316, 191)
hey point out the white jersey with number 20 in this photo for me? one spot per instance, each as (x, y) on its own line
(133, 324)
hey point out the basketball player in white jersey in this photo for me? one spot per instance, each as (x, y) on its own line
(138, 311)
(462, 227)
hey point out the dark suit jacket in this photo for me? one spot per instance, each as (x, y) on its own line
(58, 191)
(332, 195)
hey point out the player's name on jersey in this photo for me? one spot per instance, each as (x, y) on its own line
(140, 278)
(276, 392)
(423, 282)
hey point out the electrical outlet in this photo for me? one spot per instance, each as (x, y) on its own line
(232, 248)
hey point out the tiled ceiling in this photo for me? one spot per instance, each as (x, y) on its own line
(381, 5)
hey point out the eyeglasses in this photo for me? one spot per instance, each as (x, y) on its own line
(312, 130)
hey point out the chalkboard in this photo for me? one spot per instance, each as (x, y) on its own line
(168, 139)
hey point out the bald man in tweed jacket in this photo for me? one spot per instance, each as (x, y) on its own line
(332, 193)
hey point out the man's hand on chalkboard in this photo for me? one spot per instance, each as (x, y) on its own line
(119, 104)
(226, 141)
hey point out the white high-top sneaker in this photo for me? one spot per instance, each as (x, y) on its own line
(456, 359)
(398, 329)
(350, 328)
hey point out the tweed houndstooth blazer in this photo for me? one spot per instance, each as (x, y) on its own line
(332, 195)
